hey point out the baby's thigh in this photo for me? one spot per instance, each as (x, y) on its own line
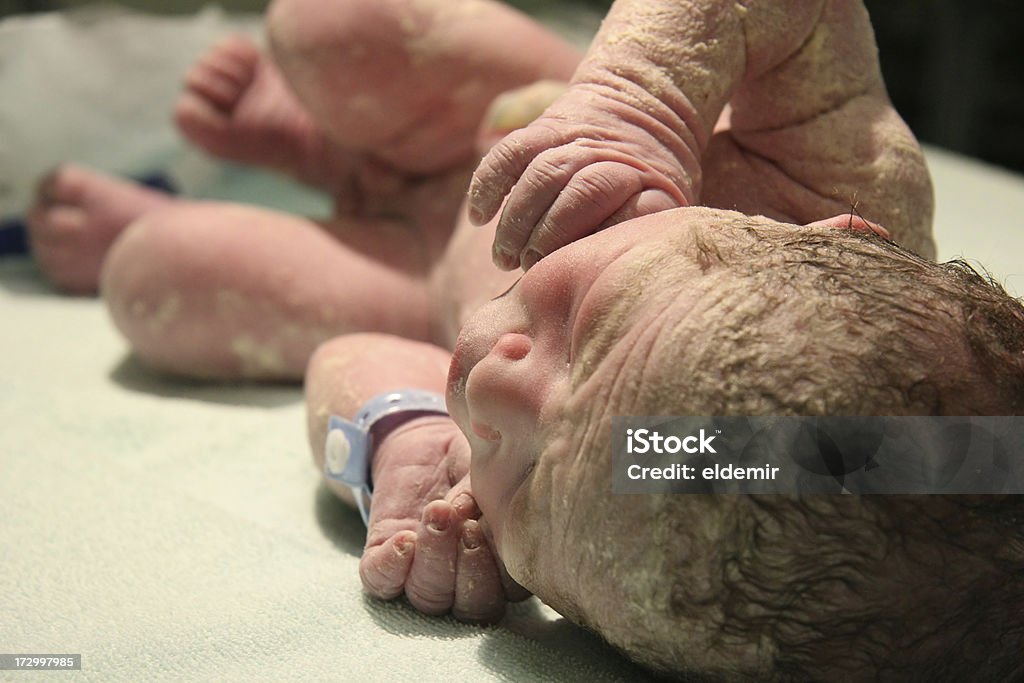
(226, 291)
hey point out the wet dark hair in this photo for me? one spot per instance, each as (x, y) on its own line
(853, 324)
(813, 322)
(947, 300)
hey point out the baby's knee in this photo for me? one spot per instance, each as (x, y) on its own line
(152, 282)
(309, 34)
(135, 258)
(342, 57)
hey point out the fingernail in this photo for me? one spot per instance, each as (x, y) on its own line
(438, 523)
(403, 546)
(471, 537)
(465, 505)
(503, 259)
(530, 258)
(476, 215)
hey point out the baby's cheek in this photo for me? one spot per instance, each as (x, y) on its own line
(515, 542)
(541, 561)
(530, 532)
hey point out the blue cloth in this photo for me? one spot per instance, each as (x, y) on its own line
(14, 234)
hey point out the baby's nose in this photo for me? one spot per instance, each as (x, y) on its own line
(502, 389)
(513, 346)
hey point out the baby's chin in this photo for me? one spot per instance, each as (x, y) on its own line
(505, 530)
(512, 530)
(524, 538)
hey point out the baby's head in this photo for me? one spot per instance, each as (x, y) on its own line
(704, 312)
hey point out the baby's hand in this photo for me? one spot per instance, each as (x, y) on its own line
(595, 158)
(424, 537)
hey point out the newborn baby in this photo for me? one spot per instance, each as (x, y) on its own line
(379, 104)
(700, 311)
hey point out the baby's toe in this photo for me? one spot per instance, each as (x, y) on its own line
(224, 73)
(66, 184)
(214, 87)
(56, 223)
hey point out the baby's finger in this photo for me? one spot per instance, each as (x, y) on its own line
(463, 502)
(430, 587)
(531, 198)
(479, 596)
(642, 204)
(590, 197)
(385, 567)
(853, 222)
(502, 167)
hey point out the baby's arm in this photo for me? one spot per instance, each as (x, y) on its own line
(629, 136)
(818, 136)
(424, 539)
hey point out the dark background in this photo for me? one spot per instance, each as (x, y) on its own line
(955, 68)
(955, 71)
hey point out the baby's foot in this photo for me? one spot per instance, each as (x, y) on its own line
(237, 107)
(77, 215)
(424, 538)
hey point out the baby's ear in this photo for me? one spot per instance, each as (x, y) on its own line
(851, 221)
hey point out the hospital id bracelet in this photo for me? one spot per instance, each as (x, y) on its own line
(350, 444)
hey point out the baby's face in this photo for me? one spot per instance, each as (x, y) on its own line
(530, 374)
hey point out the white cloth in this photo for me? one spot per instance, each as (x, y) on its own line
(97, 85)
(169, 530)
(979, 216)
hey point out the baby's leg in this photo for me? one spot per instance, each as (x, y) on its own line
(77, 215)
(226, 291)
(424, 539)
(408, 81)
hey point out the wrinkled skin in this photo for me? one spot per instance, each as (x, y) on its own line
(226, 291)
(730, 587)
(776, 108)
(379, 105)
(519, 358)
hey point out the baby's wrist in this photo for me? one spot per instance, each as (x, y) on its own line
(351, 444)
(403, 431)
